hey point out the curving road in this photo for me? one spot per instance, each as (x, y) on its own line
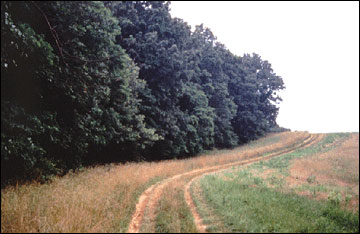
(149, 199)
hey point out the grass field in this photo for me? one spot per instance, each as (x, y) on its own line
(104, 198)
(315, 189)
(173, 214)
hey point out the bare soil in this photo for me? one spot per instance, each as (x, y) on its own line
(149, 199)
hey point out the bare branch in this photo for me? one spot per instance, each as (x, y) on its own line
(52, 30)
(58, 43)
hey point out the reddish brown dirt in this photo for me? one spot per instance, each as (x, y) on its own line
(150, 198)
(201, 227)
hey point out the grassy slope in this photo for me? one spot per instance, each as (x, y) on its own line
(244, 201)
(103, 198)
(173, 214)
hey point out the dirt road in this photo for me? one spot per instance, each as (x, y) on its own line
(149, 199)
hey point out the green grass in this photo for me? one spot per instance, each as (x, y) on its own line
(212, 222)
(282, 163)
(247, 203)
(173, 214)
(243, 207)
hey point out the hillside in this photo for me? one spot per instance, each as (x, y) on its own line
(154, 197)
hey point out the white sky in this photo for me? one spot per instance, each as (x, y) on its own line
(313, 46)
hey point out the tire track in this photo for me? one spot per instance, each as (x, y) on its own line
(150, 197)
(201, 227)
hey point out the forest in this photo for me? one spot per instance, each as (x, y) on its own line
(86, 83)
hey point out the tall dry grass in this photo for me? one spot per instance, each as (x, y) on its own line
(103, 198)
(334, 170)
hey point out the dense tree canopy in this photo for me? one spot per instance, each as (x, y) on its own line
(96, 82)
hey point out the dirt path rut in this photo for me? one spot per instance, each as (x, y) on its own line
(201, 227)
(149, 199)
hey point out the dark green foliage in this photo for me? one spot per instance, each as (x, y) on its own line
(277, 128)
(240, 92)
(253, 86)
(24, 138)
(66, 88)
(215, 83)
(97, 82)
(174, 104)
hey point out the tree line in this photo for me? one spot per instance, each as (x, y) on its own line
(97, 82)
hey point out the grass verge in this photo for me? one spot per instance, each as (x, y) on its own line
(247, 208)
(103, 198)
(173, 214)
(257, 198)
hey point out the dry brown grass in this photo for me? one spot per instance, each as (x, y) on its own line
(95, 200)
(337, 169)
(103, 198)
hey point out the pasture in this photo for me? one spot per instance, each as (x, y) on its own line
(151, 196)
